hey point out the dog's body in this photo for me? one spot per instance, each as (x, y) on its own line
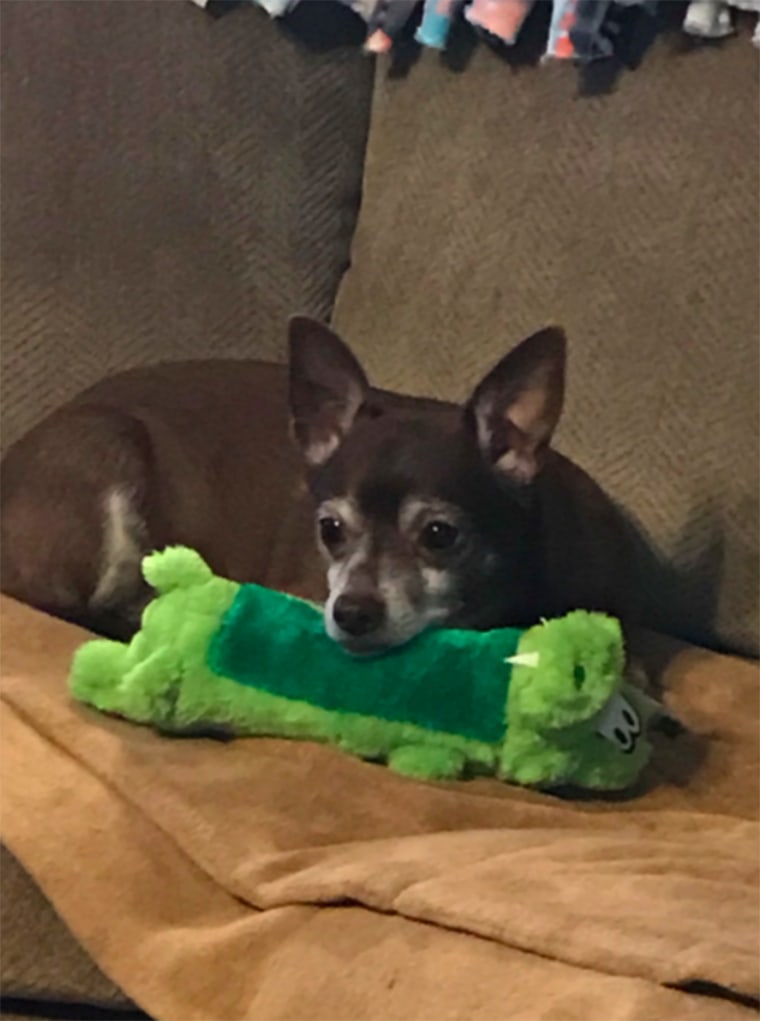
(426, 514)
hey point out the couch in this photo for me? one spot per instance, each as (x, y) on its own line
(175, 184)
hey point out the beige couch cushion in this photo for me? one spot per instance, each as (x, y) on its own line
(41, 960)
(174, 186)
(495, 202)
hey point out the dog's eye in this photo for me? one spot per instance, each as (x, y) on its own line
(439, 535)
(331, 531)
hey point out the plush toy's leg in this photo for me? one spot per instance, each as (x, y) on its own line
(428, 762)
(149, 690)
(97, 671)
(102, 676)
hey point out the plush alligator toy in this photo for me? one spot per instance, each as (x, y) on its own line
(543, 707)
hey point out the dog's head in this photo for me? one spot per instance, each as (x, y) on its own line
(423, 509)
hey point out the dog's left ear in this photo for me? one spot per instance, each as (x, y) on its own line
(513, 412)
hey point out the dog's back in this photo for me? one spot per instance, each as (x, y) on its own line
(200, 454)
(195, 453)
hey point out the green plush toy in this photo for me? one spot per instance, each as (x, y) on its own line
(542, 707)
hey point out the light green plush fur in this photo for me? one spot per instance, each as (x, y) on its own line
(552, 710)
(162, 678)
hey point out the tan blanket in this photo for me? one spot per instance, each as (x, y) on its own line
(266, 879)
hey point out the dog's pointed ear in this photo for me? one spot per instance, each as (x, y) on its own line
(513, 412)
(327, 388)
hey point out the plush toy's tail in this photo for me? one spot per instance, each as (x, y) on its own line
(175, 567)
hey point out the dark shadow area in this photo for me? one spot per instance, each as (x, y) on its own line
(629, 32)
(67, 1011)
(670, 16)
(323, 25)
(675, 760)
(319, 25)
(700, 987)
(460, 47)
(404, 55)
(218, 8)
(201, 731)
(680, 596)
(599, 77)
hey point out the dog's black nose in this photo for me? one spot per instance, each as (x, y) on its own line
(358, 615)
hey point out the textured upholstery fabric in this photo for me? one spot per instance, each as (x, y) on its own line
(496, 201)
(40, 958)
(174, 186)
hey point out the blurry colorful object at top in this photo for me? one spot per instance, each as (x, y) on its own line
(579, 30)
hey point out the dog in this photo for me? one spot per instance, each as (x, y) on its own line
(427, 514)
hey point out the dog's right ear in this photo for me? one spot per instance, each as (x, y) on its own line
(327, 388)
(514, 410)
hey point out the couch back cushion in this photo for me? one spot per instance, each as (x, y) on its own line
(174, 186)
(496, 201)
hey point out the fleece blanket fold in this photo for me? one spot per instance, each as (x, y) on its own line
(268, 879)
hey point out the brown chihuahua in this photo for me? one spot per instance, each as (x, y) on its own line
(427, 514)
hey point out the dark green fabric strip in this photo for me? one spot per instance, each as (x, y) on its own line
(451, 681)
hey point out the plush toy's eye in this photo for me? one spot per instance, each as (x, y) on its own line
(331, 531)
(624, 739)
(439, 535)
